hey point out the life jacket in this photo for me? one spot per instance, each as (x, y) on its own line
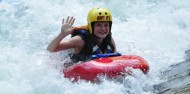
(92, 48)
(96, 50)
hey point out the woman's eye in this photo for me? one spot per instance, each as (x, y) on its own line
(98, 24)
(102, 24)
(106, 25)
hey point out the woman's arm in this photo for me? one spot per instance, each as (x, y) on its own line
(55, 43)
(66, 29)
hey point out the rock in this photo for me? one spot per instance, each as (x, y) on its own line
(177, 78)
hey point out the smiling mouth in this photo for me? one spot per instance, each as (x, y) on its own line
(103, 32)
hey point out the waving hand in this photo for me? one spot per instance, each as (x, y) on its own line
(67, 26)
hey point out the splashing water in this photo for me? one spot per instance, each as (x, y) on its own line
(156, 30)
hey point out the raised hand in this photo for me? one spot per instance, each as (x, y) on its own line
(67, 26)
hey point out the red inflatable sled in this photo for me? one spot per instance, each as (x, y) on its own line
(109, 66)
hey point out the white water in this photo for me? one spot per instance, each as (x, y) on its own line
(159, 31)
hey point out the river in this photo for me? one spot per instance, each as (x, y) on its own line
(157, 30)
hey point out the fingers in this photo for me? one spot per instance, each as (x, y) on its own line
(67, 25)
(63, 21)
(67, 19)
(70, 20)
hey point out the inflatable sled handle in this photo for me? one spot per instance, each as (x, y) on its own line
(104, 55)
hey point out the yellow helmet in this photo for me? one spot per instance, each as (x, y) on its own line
(98, 14)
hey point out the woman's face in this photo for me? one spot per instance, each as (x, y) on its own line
(101, 29)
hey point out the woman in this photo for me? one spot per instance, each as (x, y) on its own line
(94, 38)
